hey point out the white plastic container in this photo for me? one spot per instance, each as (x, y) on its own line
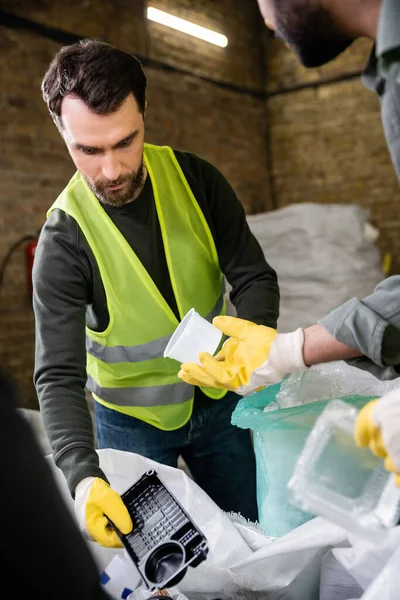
(341, 482)
(193, 335)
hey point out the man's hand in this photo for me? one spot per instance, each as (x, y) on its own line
(378, 427)
(254, 356)
(95, 503)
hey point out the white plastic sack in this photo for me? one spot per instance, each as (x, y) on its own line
(362, 570)
(243, 563)
(337, 583)
(387, 585)
(323, 255)
(365, 561)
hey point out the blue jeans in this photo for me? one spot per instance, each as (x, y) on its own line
(219, 455)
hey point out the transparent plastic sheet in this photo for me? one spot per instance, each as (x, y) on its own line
(304, 387)
(362, 570)
(281, 417)
(330, 380)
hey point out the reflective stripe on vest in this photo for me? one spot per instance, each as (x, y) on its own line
(139, 353)
(175, 393)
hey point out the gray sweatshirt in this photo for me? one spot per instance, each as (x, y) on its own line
(372, 325)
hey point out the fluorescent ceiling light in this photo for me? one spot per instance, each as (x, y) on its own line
(159, 16)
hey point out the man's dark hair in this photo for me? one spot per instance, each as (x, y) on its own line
(101, 75)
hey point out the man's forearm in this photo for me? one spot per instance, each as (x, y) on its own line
(320, 347)
(69, 428)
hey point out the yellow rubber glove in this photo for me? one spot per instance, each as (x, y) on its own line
(246, 361)
(378, 427)
(95, 503)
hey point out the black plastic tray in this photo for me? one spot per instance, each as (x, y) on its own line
(164, 540)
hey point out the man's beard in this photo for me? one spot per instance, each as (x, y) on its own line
(310, 31)
(132, 183)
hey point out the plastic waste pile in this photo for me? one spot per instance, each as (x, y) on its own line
(282, 416)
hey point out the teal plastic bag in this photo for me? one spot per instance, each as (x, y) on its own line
(279, 438)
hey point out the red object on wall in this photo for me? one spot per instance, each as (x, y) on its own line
(30, 255)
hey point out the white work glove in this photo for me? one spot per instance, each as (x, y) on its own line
(378, 426)
(286, 356)
(95, 502)
(254, 356)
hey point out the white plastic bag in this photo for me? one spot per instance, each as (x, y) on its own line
(242, 563)
(336, 583)
(323, 254)
(387, 584)
(360, 565)
(364, 560)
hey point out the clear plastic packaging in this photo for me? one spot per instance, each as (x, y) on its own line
(304, 387)
(330, 381)
(279, 437)
(335, 479)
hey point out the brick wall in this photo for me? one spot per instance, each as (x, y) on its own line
(327, 142)
(188, 112)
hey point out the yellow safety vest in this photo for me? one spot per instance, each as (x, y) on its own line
(126, 370)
